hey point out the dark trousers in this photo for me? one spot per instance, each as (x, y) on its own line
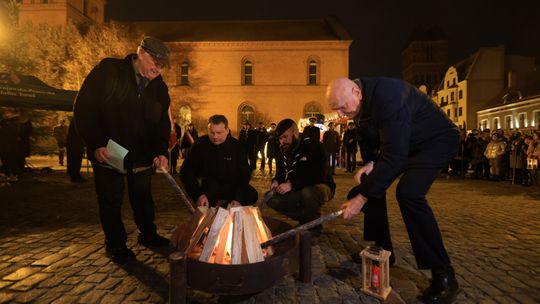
(302, 205)
(333, 158)
(252, 158)
(175, 153)
(74, 162)
(110, 191)
(422, 227)
(351, 161)
(216, 191)
(263, 157)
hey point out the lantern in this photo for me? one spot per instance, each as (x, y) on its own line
(376, 272)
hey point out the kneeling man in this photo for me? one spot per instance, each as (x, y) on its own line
(216, 168)
(303, 182)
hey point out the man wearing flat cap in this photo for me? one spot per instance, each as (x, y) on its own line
(126, 101)
(303, 181)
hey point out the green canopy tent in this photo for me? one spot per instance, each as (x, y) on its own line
(21, 91)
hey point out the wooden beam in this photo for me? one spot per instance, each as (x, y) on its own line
(251, 240)
(213, 235)
(237, 237)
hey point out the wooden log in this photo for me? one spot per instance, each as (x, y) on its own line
(251, 240)
(182, 237)
(237, 237)
(224, 243)
(205, 224)
(178, 278)
(177, 190)
(213, 235)
(263, 232)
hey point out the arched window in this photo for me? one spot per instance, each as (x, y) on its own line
(247, 72)
(184, 74)
(312, 72)
(496, 123)
(312, 109)
(247, 113)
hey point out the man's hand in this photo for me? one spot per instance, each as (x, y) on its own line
(161, 162)
(353, 206)
(284, 188)
(101, 155)
(203, 201)
(274, 185)
(365, 169)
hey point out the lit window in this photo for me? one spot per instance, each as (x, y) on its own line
(312, 71)
(496, 123)
(247, 73)
(484, 124)
(184, 73)
(508, 122)
(312, 110)
(522, 119)
(247, 114)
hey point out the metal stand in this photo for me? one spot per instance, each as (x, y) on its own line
(304, 264)
(178, 278)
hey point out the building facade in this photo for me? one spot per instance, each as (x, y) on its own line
(255, 71)
(522, 115)
(425, 58)
(62, 12)
(476, 81)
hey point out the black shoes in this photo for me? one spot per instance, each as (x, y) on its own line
(153, 240)
(443, 287)
(120, 255)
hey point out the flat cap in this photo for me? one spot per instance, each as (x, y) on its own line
(157, 49)
(283, 126)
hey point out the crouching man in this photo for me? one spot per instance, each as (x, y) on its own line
(303, 182)
(216, 168)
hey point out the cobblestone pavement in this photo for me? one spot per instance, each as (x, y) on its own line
(51, 247)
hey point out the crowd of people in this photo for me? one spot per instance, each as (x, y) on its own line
(15, 132)
(492, 155)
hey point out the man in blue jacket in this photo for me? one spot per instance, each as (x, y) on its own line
(403, 133)
(126, 100)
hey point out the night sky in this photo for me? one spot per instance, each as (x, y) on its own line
(380, 28)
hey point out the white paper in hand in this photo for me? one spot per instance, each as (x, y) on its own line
(116, 155)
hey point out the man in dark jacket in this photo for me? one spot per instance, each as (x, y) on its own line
(331, 145)
(126, 101)
(350, 144)
(401, 133)
(303, 181)
(217, 169)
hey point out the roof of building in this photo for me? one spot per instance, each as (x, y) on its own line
(517, 94)
(328, 28)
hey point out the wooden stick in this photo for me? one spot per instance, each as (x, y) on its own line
(178, 191)
(285, 235)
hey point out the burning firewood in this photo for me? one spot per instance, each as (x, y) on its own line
(225, 236)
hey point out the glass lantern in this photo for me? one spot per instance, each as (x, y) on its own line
(376, 272)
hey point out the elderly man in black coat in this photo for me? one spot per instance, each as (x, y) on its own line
(401, 132)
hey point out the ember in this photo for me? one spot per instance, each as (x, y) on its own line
(226, 236)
